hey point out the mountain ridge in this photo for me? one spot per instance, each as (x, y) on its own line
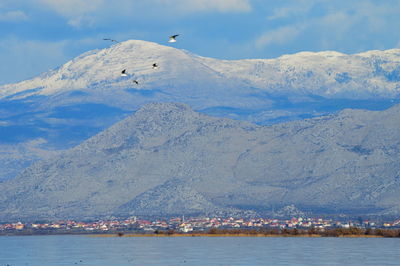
(339, 164)
(65, 106)
(110, 61)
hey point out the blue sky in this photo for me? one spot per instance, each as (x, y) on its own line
(38, 35)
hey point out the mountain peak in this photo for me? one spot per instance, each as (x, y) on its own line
(134, 42)
(139, 45)
(99, 68)
(328, 74)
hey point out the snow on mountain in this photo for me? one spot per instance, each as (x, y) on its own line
(167, 159)
(181, 76)
(61, 108)
(328, 74)
(306, 84)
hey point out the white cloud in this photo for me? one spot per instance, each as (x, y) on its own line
(278, 36)
(83, 13)
(208, 5)
(357, 23)
(71, 7)
(333, 24)
(13, 16)
(78, 12)
(296, 8)
(378, 15)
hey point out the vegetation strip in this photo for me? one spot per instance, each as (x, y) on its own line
(337, 232)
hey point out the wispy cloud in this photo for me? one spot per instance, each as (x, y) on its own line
(83, 13)
(292, 9)
(331, 24)
(278, 36)
(208, 5)
(78, 12)
(13, 16)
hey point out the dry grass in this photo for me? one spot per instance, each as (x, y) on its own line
(228, 235)
(352, 232)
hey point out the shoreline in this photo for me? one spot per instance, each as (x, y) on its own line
(203, 235)
(232, 235)
(214, 232)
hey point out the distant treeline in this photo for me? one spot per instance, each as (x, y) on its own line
(311, 232)
(334, 232)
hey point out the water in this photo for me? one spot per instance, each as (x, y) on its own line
(97, 251)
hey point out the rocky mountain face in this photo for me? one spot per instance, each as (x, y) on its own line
(168, 159)
(61, 108)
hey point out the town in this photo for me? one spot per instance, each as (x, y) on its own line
(188, 225)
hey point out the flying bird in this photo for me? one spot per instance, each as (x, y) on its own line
(155, 66)
(108, 39)
(123, 73)
(136, 82)
(173, 38)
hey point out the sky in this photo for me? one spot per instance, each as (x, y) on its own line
(38, 35)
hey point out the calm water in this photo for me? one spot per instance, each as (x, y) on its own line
(83, 250)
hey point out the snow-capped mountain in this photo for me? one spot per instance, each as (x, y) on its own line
(327, 74)
(62, 107)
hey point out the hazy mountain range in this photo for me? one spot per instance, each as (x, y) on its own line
(167, 159)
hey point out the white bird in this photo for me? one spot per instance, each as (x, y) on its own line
(155, 66)
(173, 38)
(123, 73)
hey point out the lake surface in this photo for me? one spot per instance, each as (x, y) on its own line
(84, 250)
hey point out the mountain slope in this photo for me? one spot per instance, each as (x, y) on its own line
(327, 74)
(167, 159)
(65, 106)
